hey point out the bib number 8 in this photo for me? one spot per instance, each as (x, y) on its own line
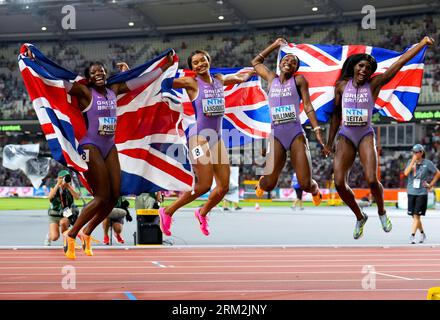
(85, 155)
(197, 152)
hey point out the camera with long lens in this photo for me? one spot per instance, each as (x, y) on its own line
(67, 178)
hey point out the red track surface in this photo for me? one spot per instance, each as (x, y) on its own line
(223, 273)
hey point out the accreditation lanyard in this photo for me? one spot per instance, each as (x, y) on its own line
(416, 182)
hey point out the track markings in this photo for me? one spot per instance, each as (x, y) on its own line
(217, 291)
(392, 276)
(130, 295)
(287, 273)
(169, 274)
(156, 263)
(229, 281)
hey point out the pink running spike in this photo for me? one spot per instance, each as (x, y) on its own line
(165, 222)
(203, 220)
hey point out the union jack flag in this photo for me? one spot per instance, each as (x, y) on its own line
(151, 152)
(321, 66)
(62, 124)
(246, 107)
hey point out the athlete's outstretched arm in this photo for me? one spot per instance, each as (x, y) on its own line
(308, 107)
(80, 91)
(381, 80)
(144, 79)
(187, 83)
(336, 118)
(184, 83)
(235, 78)
(258, 64)
(76, 89)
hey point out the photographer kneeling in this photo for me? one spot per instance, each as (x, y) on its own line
(116, 219)
(62, 211)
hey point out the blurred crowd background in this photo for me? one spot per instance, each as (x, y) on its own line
(234, 50)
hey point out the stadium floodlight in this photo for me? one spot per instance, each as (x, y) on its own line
(315, 9)
(221, 17)
(131, 24)
(219, 2)
(43, 28)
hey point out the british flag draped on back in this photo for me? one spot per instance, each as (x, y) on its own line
(246, 111)
(321, 65)
(62, 124)
(146, 127)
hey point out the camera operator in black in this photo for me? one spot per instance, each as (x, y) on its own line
(62, 211)
(116, 220)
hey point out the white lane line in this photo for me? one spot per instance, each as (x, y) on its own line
(274, 254)
(243, 246)
(246, 248)
(156, 263)
(238, 260)
(171, 273)
(208, 281)
(307, 266)
(245, 255)
(166, 250)
(214, 291)
(390, 275)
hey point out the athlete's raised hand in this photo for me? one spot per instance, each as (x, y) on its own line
(122, 66)
(281, 42)
(169, 61)
(29, 54)
(428, 41)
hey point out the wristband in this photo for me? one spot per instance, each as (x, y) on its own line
(261, 56)
(317, 128)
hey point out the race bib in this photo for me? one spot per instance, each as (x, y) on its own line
(416, 183)
(107, 126)
(67, 212)
(283, 114)
(355, 117)
(86, 155)
(197, 152)
(213, 107)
